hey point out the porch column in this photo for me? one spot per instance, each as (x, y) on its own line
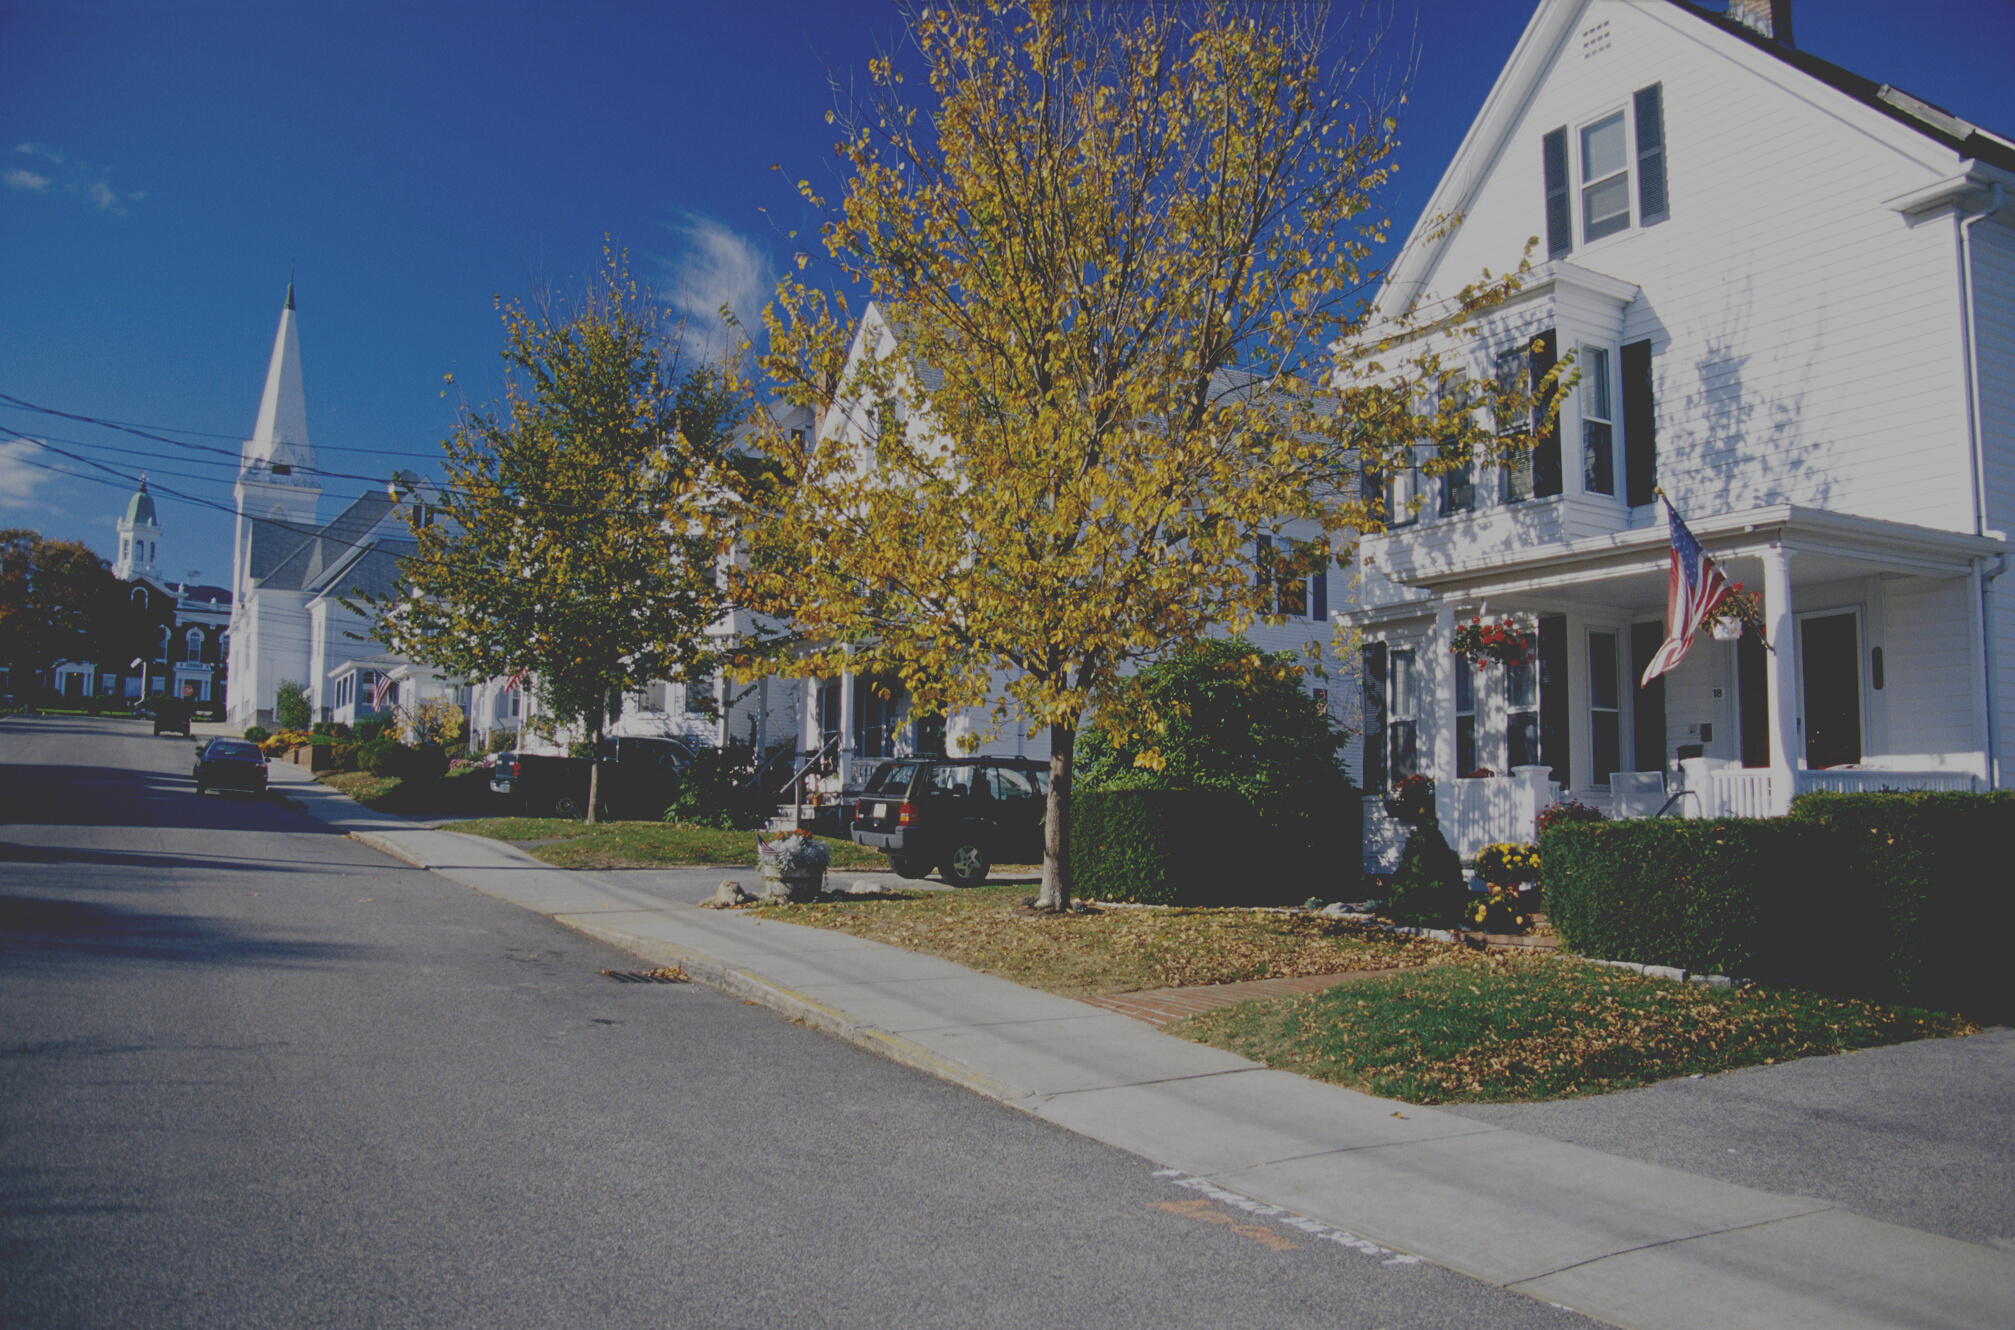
(848, 739)
(1440, 699)
(1781, 681)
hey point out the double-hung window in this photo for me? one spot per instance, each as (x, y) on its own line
(1598, 450)
(1605, 178)
(1458, 484)
(1521, 705)
(1465, 716)
(1403, 715)
(1602, 156)
(1515, 482)
(1604, 711)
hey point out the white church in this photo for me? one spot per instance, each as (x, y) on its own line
(290, 570)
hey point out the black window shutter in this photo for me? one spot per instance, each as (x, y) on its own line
(1318, 595)
(1374, 715)
(1546, 448)
(1640, 429)
(1553, 737)
(1559, 211)
(1652, 205)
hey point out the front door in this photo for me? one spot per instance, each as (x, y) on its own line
(1829, 655)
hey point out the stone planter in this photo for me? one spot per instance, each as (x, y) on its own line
(777, 885)
(315, 757)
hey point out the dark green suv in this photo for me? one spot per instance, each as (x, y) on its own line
(960, 816)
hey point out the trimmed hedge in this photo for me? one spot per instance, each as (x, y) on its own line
(1888, 896)
(1188, 847)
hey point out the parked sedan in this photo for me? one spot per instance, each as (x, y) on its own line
(230, 764)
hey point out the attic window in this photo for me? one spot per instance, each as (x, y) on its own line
(1605, 178)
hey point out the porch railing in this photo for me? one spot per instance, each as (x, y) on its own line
(1868, 782)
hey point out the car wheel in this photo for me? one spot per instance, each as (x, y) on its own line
(966, 865)
(566, 806)
(908, 867)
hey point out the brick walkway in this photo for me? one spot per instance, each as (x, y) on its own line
(1158, 1006)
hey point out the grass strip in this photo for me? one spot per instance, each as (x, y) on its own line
(1509, 1028)
(1111, 949)
(644, 844)
(459, 792)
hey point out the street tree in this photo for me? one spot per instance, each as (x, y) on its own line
(576, 542)
(1122, 251)
(58, 601)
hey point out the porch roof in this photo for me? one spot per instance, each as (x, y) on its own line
(1629, 568)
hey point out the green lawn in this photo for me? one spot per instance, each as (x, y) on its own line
(461, 792)
(643, 844)
(1511, 1028)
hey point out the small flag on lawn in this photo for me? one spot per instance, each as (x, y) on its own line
(1694, 588)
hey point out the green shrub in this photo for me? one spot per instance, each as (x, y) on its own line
(335, 729)
(257, 734)
(1234, 721)
(1885, 896)
(371, 727)
(291, 709)
(383, 756)
(427, 762)
(502, 741)
(344, 756)
(1427, 890)
(711, 791)
(1182, 847)
(1923, 868)
(1715, 896)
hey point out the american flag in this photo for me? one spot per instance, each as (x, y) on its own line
(1694, 588)
(379, 687)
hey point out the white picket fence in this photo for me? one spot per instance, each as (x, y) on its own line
(1502, 808)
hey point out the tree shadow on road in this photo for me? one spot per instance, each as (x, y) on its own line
(44, 930)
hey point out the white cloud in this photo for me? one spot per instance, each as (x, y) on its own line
(20, 480)
(715, 267)
(68, 177)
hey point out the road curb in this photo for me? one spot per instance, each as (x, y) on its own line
(756, 988)
(383, 846)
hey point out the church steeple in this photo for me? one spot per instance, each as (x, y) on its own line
(277, 491)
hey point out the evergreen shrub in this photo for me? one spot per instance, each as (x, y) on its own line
(291, 708)
(1890, 896)
(1427, 890)
(1177, 847)
(257, 734)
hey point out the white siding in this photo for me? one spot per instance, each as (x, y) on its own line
(1805, 338)
(1929, 666)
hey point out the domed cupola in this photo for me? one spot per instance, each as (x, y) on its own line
(139, 538)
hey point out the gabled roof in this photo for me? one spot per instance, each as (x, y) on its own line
(1934, 122)
(297, 561)
(1553, 23)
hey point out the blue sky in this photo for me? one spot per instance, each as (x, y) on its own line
(412, 162)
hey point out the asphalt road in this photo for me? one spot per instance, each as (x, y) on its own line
(257, 1074)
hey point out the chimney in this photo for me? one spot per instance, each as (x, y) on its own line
(1772, 18)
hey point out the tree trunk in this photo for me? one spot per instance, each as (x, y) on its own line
(1056, 818)
(594, 763)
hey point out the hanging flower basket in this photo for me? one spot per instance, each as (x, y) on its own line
(1492, 642)
(1738, 610)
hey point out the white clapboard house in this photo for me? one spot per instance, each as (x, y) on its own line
(862, 720)
(1790, 295)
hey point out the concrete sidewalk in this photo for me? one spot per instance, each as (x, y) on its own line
(1623, 1241)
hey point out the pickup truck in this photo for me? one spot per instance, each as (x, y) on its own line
(639, 778)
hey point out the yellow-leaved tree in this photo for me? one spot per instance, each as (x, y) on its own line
(1117, 254)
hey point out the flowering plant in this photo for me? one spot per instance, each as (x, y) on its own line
(1499, 642)
(1507, 865)
(1498, 910)
(1741, 607)
(1412, 800)
(1568, 810)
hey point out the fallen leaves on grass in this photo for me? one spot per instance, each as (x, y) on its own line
(643, 844)
(1509, 1027)
(1112, 949)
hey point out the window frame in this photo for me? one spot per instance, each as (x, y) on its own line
(1617, 178)
(1596, 401)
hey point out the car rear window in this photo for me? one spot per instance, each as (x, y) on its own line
(893, 778)
(950, 778)
(233, 748)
